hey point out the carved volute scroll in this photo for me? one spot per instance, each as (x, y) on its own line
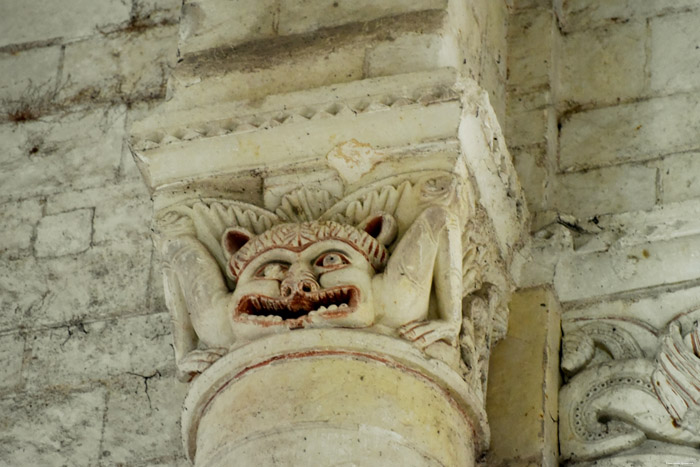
(617, 366)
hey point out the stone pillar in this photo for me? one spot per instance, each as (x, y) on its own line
(336, 248)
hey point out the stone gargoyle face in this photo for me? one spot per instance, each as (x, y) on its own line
(314, 274)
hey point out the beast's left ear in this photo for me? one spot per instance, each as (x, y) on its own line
(381, 226)
(233, 239)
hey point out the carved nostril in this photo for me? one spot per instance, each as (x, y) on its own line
(286, 290)
(308, 286)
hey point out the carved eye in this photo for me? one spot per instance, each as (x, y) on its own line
(332, 260)
(273, 271)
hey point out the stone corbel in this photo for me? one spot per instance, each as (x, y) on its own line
(336, 265)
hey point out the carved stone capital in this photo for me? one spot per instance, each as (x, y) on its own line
(384, 212)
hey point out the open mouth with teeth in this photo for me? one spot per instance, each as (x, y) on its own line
(300, 307)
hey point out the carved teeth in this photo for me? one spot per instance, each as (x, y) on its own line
(332, 307)
(343, 305)
(321, 308)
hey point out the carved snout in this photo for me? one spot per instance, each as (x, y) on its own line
(298, 281)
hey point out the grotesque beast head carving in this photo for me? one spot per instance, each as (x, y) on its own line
(311, 274)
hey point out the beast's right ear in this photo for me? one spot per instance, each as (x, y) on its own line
(233, 239)
(381, 226)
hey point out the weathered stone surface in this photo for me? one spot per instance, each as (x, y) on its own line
(143, 420)
(627, 268)
(217, 23)
(28, 76)
(581, 14)
(119, 65)
(53, 428)
(105, 281)
(340, 65)
(523, 383)
(36, 20)
(638, 131)
(76, 150)
(675, 52)
(64, 234)
(23, 291)
(656, 310)
(93, 351)
(528, 118)
(405, 54)
(663, 222)
(606, 190)
(530, 37)
(108, 280)
(603, 65)
(158, 11)
(122, 212)
(11, 355)
(531, 165)
(18, 220)
(308, 15)
(523, 4)
(679, 177)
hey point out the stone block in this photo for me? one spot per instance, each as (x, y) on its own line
(405, 54)
(52, 429)
(603, 65)
(143, 419)
(605, 191)
(11, 355)
(309, 15)
(106, 281)
(530, 40)
(531, 164)
(495, 85)
(76, 150)
(521, 401)
(310, 70)
(663, 222)
(525, 126)
(79, 353)
(122, 212)
(18, 220)
(28, 75)
(675, 52)
(679, 177)
(656, 310)
(495, 43)
(64, 234)
(576, 15)
(535, 264)
(158, 11)
(23, 290)
(218, 23)
(637, 131)
(35, 20)
(120, 64)
(524, 4)
(627, 268)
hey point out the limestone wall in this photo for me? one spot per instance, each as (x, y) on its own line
(602, 117)
(600, 111)
(88, 373)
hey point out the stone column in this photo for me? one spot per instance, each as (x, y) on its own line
(336, 248)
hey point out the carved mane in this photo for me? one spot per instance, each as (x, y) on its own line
(299, 236)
